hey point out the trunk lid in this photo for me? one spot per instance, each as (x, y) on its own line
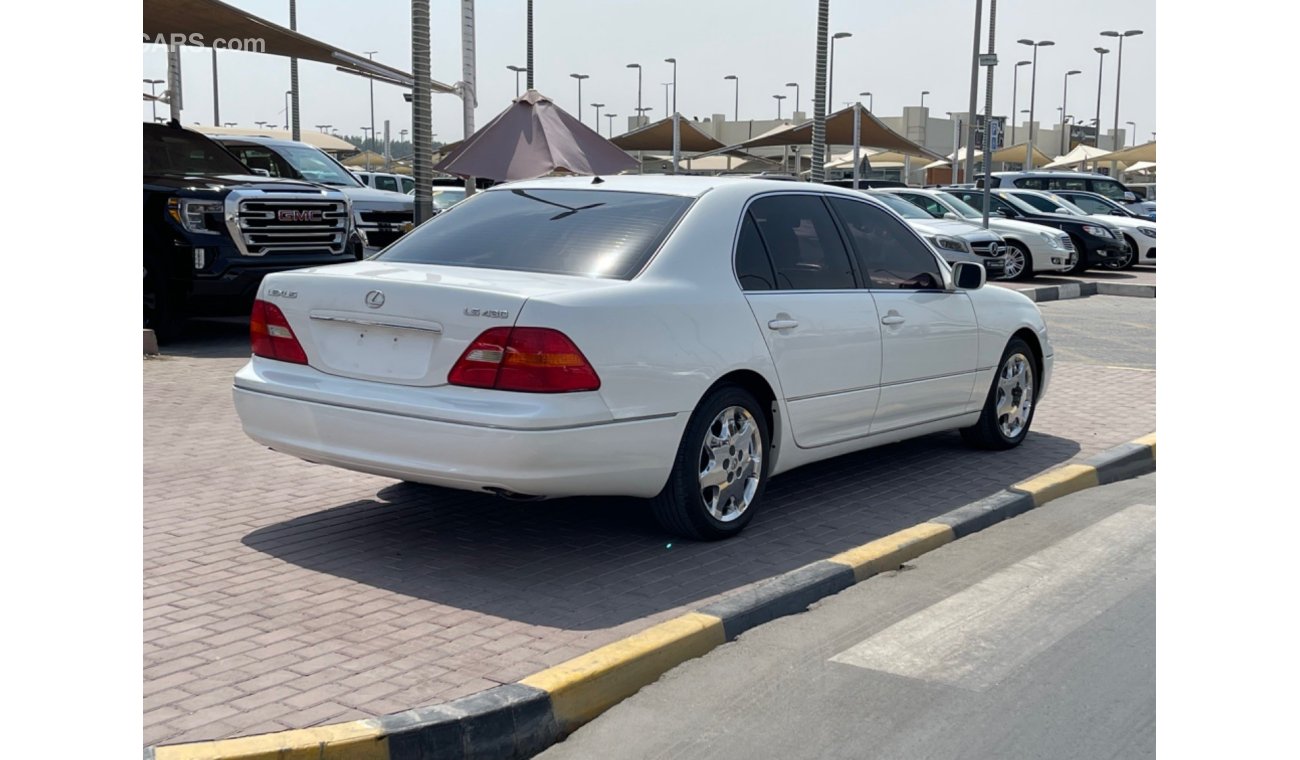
(405, 324)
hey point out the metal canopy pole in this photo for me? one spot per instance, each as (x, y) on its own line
(857, 147)
(468, 94)
(819, 95)
(974, 87)
(988, 107)
(421, 111)
(296, 129)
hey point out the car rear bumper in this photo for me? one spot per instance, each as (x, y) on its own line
(611, 458)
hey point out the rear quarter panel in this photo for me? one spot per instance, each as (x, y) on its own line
(659, 341)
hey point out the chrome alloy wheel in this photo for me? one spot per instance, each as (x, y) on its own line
(731, 463)
(1015, 395)
(1015, 263)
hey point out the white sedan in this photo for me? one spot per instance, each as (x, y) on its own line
(682, 339)
(1139, 234)
(1033, 248)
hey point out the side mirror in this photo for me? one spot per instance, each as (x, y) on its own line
(1061, 210)
(261, 172)
(1130, 197)
(952, 216)
(968, 275)
(1002, 213)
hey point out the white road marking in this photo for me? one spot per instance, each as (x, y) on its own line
(978, 636)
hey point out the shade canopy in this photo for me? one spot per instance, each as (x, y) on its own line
(316, 139)
(532, 138)
(727, 163)
(359, 160)
(1015, 154)
(659, 136)
(947, 160)
(872, 133)
(1142, 167)
(203, 22)
(1144, 152)
(1081, 154)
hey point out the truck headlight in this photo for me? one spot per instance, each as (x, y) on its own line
(1096, 231)
(950, 243)
(196, 215)
(1148, 231)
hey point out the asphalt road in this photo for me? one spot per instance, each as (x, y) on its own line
(1103, 330)
(1032, 639)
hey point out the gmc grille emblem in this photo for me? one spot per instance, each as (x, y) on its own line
(297, 215)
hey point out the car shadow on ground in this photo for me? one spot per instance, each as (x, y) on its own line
(225, 338)
(593, 563)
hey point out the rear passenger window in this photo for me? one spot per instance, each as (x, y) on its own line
(887, 251)
(1032, 183)
(805, 248)
(1067, 183)
(753, 268)
(385, 183)
(1109, 188)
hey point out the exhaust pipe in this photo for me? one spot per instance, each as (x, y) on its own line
(511, 495)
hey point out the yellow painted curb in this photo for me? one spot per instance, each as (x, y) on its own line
(586, 686)
(356, 740)
(1064, 480)
(1149, 441)
(893, 550)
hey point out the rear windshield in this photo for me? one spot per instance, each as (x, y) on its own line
(592, 233)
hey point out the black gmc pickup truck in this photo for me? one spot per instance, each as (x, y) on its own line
(213, 229)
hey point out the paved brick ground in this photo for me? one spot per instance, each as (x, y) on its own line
(280, 594)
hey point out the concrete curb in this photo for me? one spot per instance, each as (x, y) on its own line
(521, 719)
(1070, 290)
(150, 343)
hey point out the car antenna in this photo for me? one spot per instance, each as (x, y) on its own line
(596, 180)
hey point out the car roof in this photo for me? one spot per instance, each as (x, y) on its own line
(1073, 175)
(668, 184)
(261, 140)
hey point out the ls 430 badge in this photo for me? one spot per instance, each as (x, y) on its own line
(493, 313)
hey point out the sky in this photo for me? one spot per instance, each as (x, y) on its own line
(898, 49)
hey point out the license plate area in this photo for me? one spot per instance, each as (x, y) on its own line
(384, 352)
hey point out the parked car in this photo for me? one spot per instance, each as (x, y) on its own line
(954, 239)
(393, 183)
(866, 184)
(1095, 243)
(444, 197)
(1031, 248)
(212, 229)
(1099, 205)
(681, 339)
(382, 216)
(1139, 234)
(1093, 183)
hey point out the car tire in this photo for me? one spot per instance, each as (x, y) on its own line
(1009, 406)
(1132, 255)
(720, 472)
(1018, 249)
(1080, 263)
(161, 312)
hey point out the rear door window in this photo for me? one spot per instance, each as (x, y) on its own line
(803, 243)
(591, 233)
(1031, 183)
(385, 183)
(408, 184)
(1091, 205)
(753, 267)
(928, 205)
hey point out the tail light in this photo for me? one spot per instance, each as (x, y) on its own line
(528, 359)
(272, 336)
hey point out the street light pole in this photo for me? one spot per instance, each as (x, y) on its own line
(735, 115)
(153, 93)
(923, 94)
(779, 98)
(611, 117)
(1065, 90)
(1101, 63)
(639, 111)
(598, 106)
(371, 54)
(677, 127)
(518, 70)
(830, 70)
(1015, 91)
(795, 85)
(1033, 93)
(1135, 130)
(580, 77)
(974, 89)
(871, 101)
(1119, 70)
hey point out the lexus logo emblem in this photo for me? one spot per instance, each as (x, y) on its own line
(375, 299)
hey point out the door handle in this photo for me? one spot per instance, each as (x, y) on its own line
(892, 319)
(782, 324)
